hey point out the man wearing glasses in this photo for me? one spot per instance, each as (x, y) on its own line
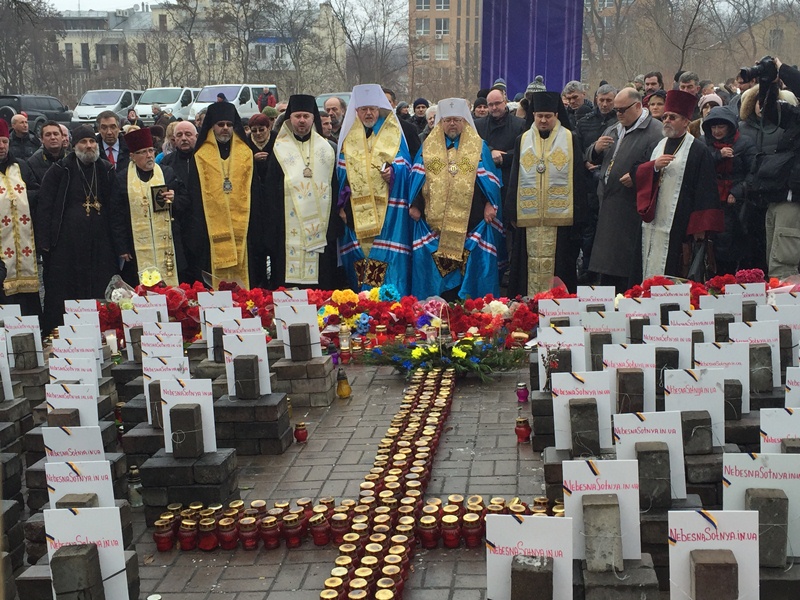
(146, 198)
(225, 236)
(546, 200)
(500, 130)
(617, 243)
(676, 191)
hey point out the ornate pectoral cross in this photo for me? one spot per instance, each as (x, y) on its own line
(227, 186)
(89, 205)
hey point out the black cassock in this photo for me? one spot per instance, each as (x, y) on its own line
(330, 277)
(78, 254)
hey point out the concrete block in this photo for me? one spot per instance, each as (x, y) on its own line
(219, 387)
(10, 466)
(135, 334)
(156, 406)
(143, 439)
(187, 431)
(543, 426)
(271, 407)
(773, 524)
(585, 427)
(603, 532)
(35, 583)
(33, 529)
(553, 459)
(10, 512)
(667, 308)
(733, 399)
(125, 372)
(261, 430)
(23, 348)
(135, 410)
(278, 445)
(638, 582)
(319, 366)
(542, 441)
(9, 432)
(35, 550)
(666, 358)
(749, 310)
(560, 321)
(637, 328)
(790, 446)
(780, 584)
(64, 417)
(654, 475)
(316, 385)
(246, 381)
(166, 471)
(541, 403)
(78, 501)
(785, 346)
(300, 341)
(215, 467)
(721, 322)
(531, 578)
(760, 368)
(14, 410)
(745, 431)
(714, 575)
(596, 342)
(217, 334)
(208, 369)
(697, 434)
(630, 390)
(703, 468)
(287, 369)
(76, 569)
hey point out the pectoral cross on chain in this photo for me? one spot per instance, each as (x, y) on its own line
(88, 205)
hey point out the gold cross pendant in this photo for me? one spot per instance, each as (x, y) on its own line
(88, 205)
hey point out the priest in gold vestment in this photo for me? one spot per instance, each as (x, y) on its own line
(145, 207)
(224, 235)
(545, 200)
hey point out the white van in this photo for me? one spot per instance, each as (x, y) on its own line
(94, 102)
(243, 95)
(175, 98)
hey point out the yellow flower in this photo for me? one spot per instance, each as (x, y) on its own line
(343, 296)
(417, 353)
(125, 304)
(436, 322)
(249, 304)
(150, 277)
(458, 352)
(375, 294)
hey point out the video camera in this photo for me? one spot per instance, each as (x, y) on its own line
(765, 70)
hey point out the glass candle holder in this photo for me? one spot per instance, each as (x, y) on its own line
(228, 534)
(164, 535)
(522, 393)
(249, 533)
(320, 530)
(429, 532)
(451, 531)
(187, 535)
(471, 530)
(270, 533)
(207, 539)
(292, 530)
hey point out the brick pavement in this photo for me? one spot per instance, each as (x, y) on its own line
(478, 454)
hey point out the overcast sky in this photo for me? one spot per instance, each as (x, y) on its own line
(93, 4)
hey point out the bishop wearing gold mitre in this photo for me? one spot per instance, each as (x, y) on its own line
(224, 236)
(546, 200)
(373, 169)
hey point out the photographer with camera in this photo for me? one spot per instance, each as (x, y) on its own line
(776, 180)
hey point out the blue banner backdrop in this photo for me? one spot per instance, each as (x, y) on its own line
(523, 39)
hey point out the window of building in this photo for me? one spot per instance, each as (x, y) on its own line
(190, 51)
(68, 55)
(423, 4)
(442, 26)
(775, 40)
(261, 51)
(162, 22)
(423, 26)
(85, 60)
(423, 52)
(163, 54)
(212, 53)
(141, 53)
(226, 52)
(442, 4)
(279, 51)
(442, 51)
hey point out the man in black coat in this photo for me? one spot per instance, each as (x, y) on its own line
(73, 230)
(409, 130)
(23, 142)
(578, 105)
(110, 141)
(589, 129)
(52, 150)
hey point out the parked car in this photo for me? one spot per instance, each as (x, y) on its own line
(179, 100)
(39, 109)
(93, 102)
(243, 95)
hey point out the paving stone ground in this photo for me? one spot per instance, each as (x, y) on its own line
(478, 454)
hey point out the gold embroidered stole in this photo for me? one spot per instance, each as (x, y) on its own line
(152, 231)
(449, 186)
(306, 201)
(544, 193)
(364, 158)
(227, 215)
(16, 234)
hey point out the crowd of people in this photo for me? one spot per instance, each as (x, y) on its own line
(455, 198)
